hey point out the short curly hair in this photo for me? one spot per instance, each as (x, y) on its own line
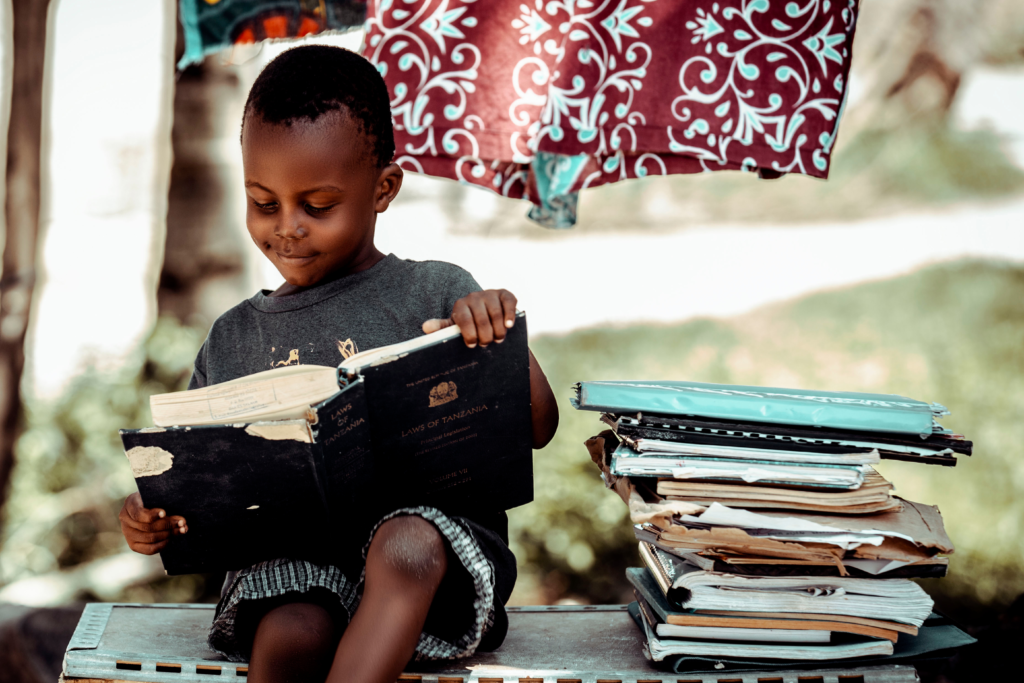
(308, 81)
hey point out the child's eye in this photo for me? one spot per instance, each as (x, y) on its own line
(264, 207)
(318, 210)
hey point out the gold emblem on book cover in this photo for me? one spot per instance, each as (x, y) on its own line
(443, 393)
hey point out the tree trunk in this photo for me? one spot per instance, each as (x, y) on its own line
(24, 141)
(910, 55)
(205, 269)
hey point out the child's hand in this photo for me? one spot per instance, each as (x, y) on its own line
(482, 317)
(148, 530)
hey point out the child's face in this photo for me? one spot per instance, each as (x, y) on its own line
(314, 194)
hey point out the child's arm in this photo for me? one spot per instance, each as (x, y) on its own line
(484, 317)
(148, 530)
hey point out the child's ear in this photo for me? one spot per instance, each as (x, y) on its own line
(389, 182)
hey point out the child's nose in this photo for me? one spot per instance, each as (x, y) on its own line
(292, 226)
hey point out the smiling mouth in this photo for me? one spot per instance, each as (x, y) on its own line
(295, 260)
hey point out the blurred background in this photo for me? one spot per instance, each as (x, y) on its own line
(903, 273)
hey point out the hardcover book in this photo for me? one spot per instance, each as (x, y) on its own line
(831, 409)
(939, 449)
(666, 612)
(425, 422)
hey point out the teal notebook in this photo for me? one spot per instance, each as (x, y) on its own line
(838, 410)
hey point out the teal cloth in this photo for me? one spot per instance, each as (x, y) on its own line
(211, 26)
(555, 175)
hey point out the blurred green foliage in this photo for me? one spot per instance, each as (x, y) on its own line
(71, 476)
(952, 334)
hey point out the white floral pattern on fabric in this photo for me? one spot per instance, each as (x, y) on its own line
(538, 99)
(719, 107)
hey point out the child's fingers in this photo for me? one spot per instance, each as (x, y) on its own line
(463, 317)
(508, 306)
(147, 530)
(165, 524)
(495, 315)
(133, 506)
(178, 525)
(435, 324)
(482, 319)
(144, 538)
(147, 548)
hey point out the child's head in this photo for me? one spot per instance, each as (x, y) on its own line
(317, 145)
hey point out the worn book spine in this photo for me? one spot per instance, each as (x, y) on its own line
(662, 573)
(355, 492)
(646, 611)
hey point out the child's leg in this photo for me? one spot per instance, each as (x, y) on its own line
(294, 642)
(404, 567)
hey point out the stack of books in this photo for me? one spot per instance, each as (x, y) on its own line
(766, 533)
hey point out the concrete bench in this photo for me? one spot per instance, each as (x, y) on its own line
(570, 644)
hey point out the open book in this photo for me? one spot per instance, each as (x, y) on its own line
(280, 394)
(272, 464)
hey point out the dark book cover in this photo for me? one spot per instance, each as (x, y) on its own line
(451, 426)
(710, 439)
(936, 441)
(255, 491)
(683, 429)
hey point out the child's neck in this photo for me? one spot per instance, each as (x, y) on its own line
(287, 289)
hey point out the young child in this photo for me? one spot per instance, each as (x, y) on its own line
(317, 148)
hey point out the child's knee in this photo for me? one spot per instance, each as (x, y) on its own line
(410, 547)
(298, 639)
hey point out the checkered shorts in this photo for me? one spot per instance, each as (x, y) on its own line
(276, 578)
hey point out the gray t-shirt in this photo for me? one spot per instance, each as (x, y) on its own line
(382, 305)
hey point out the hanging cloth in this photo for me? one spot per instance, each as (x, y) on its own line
(212, 25)
(539, 99)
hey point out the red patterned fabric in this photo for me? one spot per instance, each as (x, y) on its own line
(538, 99)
